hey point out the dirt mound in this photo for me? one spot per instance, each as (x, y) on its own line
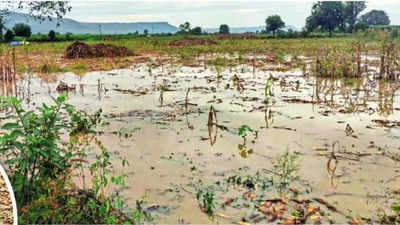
(82, 50)
(192, 41)
(237, 37)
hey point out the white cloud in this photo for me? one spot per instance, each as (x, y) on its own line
(206, 13)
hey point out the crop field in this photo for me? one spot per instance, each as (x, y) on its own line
(212, 129)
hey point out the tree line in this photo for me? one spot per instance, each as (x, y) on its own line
(326, 16)
(343, 16)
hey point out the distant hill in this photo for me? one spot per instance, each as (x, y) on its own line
(73, 26)
(76, 27)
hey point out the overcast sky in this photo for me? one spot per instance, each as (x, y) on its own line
(207, 13)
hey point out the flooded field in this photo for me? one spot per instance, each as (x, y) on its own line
(186, 127)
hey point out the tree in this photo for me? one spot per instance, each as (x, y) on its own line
(274, 23)
(68, 36)
(146, 32)
(41, 10)
(184, 28)
(224, 29)
(22, 30)
(1, 28)
(351, 10)
(326, 15)
(375, 17)
(196, 31)
(360, 26)
(52, 35)
(9, 36)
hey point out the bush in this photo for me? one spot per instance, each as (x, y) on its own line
(196, 31)
(361, 26)
(52, 35)
(22, 30)
(9, 36)
(394, 33)
(68, 36)
(42, 167)
(224, 29)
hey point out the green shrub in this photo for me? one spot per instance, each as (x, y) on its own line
(22, 30)
(42, 167)
(9, 36)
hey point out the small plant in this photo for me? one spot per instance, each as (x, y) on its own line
(205, 197)
(285, 168)
(268, 91)
(212, 125)
(162, 88)
(219, 71)
(140, 215)
(393, 218)
(244, 130)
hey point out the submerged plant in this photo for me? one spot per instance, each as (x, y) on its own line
(389, 61)
(336, 62)
(219, 72)
(163, 89)
(244, 130)
(205, 196)
(268, 101)
(212, 125)
(285, 167)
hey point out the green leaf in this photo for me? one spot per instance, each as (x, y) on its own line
(9, 126)
(243, 129)
(92, 204)
(60, 99)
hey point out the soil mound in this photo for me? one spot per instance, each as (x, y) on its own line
(192, 41)
(237, 37)
(83, 50)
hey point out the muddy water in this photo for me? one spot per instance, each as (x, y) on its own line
(169, 148)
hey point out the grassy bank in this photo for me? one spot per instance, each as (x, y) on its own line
(48, 57)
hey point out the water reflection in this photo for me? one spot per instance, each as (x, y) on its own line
(212, 126)
(268, 116)
(8, 88)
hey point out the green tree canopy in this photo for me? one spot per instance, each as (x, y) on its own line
(196, 31)
(1, 28)
(224, 29)
(22, 30)
(326, 15)
(274, 23)
(184, 28)
(41, 10)
(52, 35)
(375, 17)
(352, 10)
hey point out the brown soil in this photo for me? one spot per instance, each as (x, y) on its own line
(192, 41)
(237, 37)
(83, 50)
(6, 208)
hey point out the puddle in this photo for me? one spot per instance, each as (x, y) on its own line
(159, 119)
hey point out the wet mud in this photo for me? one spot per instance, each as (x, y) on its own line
(178, 125)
